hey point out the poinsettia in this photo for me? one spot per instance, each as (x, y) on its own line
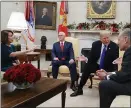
(22, 73)
(114, 27)
(83, 26)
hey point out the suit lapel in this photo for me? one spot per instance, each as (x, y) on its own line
(108, 48)
(59, 48)
(99, 49)
(64, 46)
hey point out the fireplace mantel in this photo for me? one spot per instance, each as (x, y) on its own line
(74, 32)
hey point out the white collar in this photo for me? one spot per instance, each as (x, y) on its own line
(62, 42)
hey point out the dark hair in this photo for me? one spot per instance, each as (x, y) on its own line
(4, 36)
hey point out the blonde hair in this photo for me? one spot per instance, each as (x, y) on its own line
(105, 32)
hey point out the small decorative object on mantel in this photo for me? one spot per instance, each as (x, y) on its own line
(22, 76)
(127, 25)
(72, 26)
(97, 25)
(43, 42)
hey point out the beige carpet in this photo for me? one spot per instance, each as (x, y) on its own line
(89, 99)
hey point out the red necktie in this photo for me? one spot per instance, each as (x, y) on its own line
(62, 46)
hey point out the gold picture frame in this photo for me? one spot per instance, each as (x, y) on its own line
(101, 9)
(45, 15)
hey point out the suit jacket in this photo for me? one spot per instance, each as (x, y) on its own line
(124, 75)
(111, 54)
(67, 53)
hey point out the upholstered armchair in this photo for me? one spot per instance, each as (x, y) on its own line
(64, 69)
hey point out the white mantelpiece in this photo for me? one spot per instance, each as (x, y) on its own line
(74, 32)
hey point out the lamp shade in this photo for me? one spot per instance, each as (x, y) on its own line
(17, 21)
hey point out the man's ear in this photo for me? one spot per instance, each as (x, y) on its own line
(126, 39)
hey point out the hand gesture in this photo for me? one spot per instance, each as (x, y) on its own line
(101, 74)
(117, 61)
(71, 61)
(82, 58)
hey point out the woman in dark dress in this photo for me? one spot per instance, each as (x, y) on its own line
(8, 53)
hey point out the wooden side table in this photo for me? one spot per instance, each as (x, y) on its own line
(43, 51)
(34, 56)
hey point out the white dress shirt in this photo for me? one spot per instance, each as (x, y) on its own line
(62, 42)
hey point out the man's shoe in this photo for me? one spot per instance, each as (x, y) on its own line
(77, 92)
(74, 88)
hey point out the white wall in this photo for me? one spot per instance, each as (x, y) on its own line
(77, 13)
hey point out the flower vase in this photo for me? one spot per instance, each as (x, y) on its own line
(23, 85)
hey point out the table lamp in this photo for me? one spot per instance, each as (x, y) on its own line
(17, 23)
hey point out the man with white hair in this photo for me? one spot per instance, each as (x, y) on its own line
(102, 54)
(63, 54)
(119, 82)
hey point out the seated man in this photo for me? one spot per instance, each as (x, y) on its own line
(117, 83)
(63, 54)
(103, 53)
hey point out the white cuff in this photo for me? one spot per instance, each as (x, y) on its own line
(113, 72)
(86, 60)
(108, 77)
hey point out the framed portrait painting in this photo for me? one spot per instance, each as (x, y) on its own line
(101, 9)
(45, 15)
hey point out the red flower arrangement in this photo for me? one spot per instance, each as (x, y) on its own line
(100, 25)
(83, 26)
(114, 27)
(23, 73)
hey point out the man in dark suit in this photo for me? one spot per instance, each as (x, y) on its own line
(119, 82)
(102, 54)
(63, 54)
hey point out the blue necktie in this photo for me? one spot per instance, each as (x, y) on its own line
(102, 58)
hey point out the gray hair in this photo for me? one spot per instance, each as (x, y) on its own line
(105, 32)
(126, 32)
